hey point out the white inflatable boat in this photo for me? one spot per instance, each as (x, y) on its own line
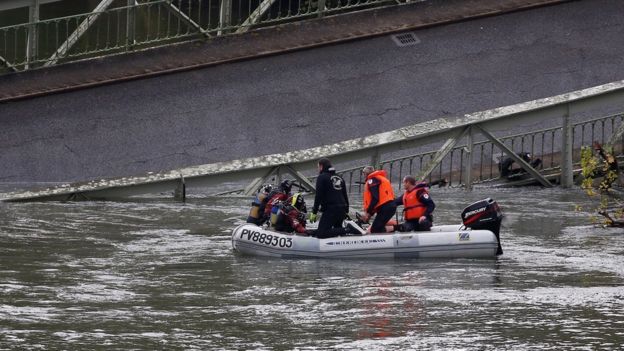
(477, 237)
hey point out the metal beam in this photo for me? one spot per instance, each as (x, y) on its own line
(32, 42)
(527, 167)
(303, 180)
(375, 159)
(185, 18)
(255, 184)
(444, 150)
(225, 16)
(243, 170)
(567, 172)
(469, 159)
(321, 7)
(75, 36)
(130, 23)
(255, 16)
(6, 63)
(179, 193)
(16, 4)
(617, 134)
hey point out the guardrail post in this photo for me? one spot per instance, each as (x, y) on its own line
(469, 159)
(225, 16)
(32, 45)
(179, 193)
(375, 160)
(567, 176)
(130, 24)
(321, 8)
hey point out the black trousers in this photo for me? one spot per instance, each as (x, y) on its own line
(384, 214)
(330, 224)
(414, 226)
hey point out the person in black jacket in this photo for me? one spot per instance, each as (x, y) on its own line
(506, 167)
(331, 199)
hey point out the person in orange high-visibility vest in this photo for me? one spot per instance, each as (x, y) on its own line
(378, 199)
(417, 206)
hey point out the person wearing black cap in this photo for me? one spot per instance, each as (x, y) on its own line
(331, 199)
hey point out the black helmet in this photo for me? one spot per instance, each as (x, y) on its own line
(266, 189)
(285, 186)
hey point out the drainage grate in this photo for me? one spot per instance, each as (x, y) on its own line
(405, 39)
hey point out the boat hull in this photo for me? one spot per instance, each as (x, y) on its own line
(441, 242)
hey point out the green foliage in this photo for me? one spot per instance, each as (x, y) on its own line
(589, 165)
(599, 175)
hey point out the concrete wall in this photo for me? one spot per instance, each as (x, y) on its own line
(311, 98)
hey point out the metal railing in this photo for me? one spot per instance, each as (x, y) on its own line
(540, 144)
(556, 145)
(152, 23)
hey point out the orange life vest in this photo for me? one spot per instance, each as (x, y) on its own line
(385, 190)
(413, 208)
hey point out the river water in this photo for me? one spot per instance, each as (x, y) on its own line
(152, 274)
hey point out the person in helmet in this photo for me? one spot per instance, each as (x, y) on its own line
(506, 167)
(258, 205)
(291, 215)
(282, 193)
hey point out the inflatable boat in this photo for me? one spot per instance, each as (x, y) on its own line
(476, 237)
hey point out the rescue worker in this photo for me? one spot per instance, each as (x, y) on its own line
(506, 169)
(331, 198)
(291, 215)
(417, 206)
(282, 193)
(378, 199)
(256, 213)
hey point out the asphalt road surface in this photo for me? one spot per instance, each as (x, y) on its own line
(313, 97)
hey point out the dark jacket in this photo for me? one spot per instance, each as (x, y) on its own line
(290, 219)
(273, 199)
(331, 191)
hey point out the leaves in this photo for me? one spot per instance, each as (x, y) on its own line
(599, 180)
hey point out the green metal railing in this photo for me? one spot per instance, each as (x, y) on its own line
(117, 29)
(557, 145)
(487, 156)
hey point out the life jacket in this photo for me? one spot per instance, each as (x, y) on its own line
(386, 193)
(412, 207)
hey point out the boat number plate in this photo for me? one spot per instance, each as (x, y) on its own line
(266, 239)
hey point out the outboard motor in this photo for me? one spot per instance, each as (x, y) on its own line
(484, 214)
